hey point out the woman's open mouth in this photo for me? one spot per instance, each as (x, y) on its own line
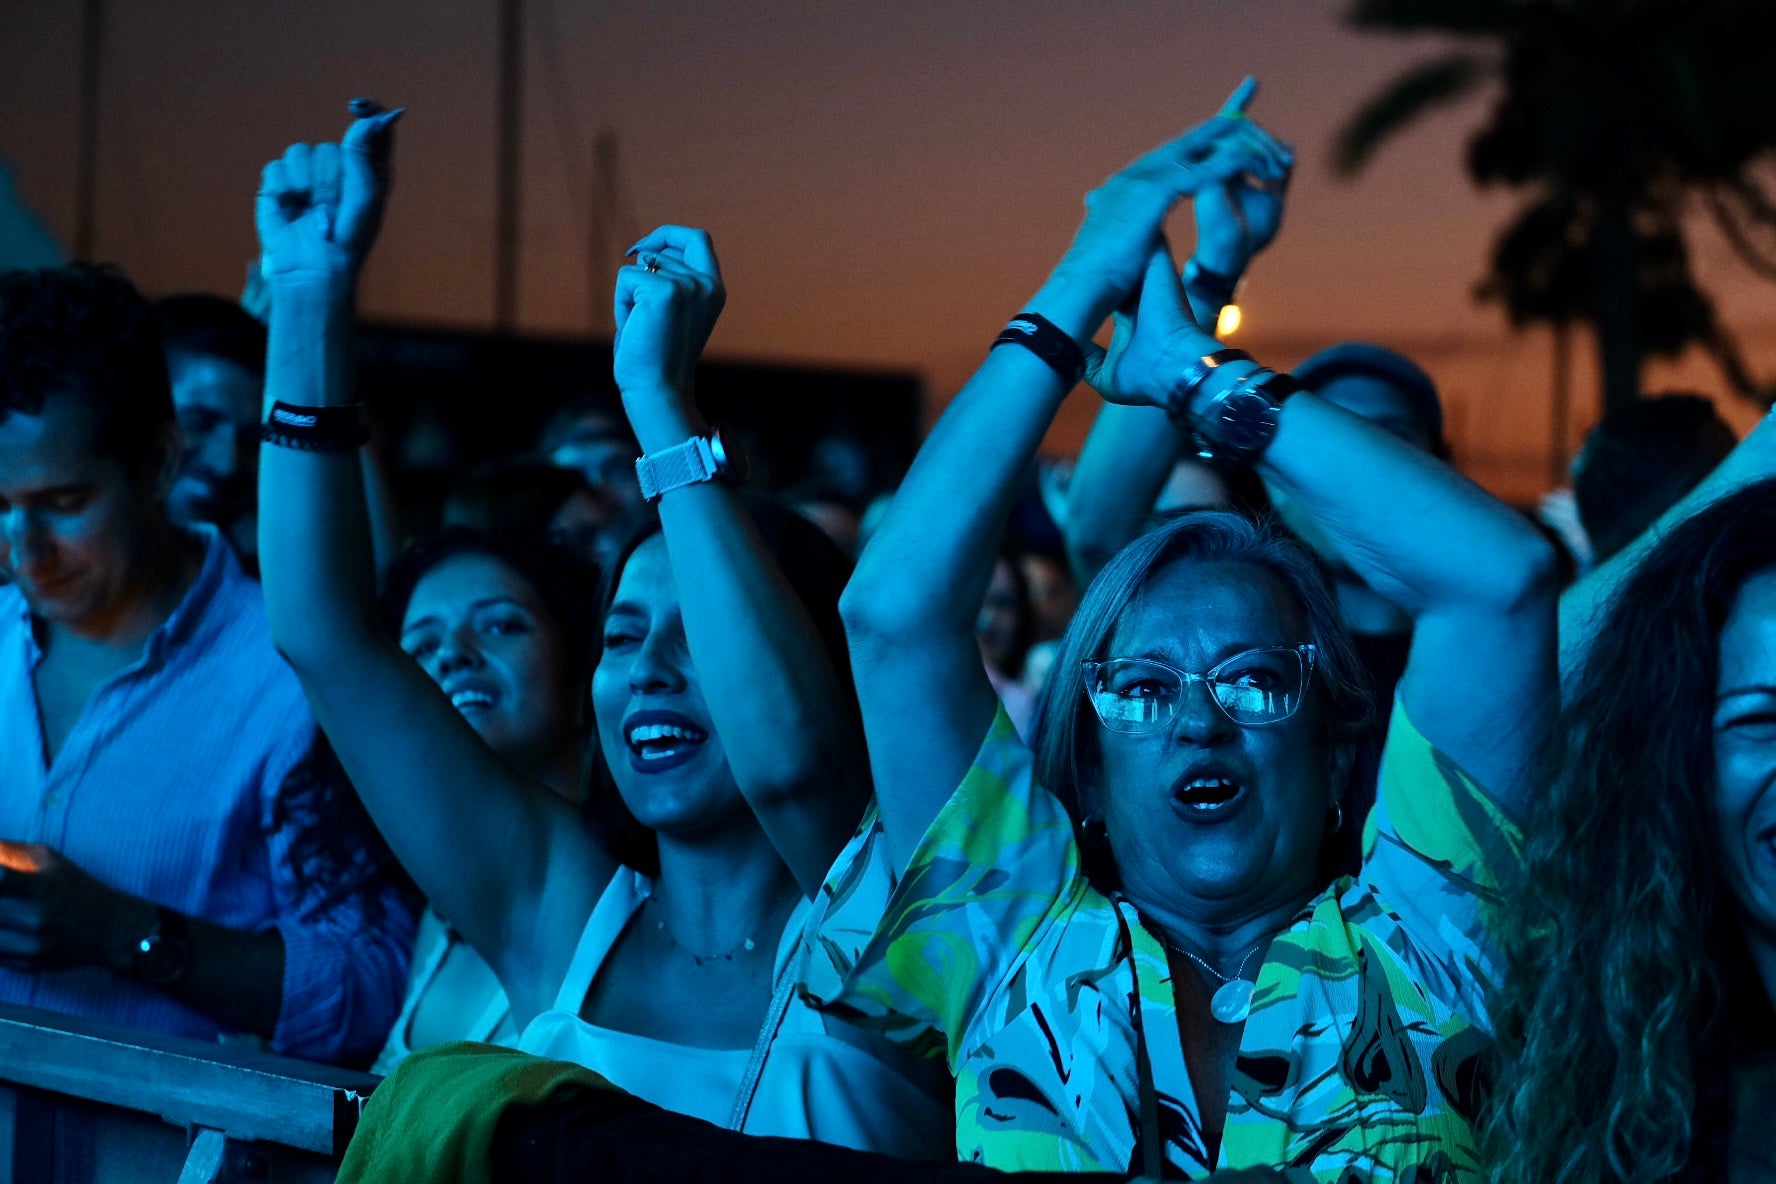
(661, 740)
(1208, 798)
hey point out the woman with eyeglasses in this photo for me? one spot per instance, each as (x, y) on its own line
(1121, 936)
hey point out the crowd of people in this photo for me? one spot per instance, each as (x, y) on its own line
(1298, 812)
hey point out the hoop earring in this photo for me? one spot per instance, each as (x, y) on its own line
(1337, 818)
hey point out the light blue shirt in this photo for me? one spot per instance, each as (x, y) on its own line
(165, 789)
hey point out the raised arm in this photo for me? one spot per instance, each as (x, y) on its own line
(506, 862)
(911, 606)
(778, 704)
(1474, 575)
(1130, 451)
(1584, 605)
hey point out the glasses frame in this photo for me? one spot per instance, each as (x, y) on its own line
(1307, 652)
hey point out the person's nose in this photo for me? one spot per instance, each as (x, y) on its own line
(1200, 720)
(27, 539)
(457, 650)
(655, 667)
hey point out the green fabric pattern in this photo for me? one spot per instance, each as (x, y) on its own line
(1359, 1064)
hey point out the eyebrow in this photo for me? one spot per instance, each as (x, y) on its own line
(1232, 651)
(58, 490)
(474, 607)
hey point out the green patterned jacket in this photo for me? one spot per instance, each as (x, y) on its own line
(1360, 1061)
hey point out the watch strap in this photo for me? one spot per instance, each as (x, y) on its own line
(690, 463)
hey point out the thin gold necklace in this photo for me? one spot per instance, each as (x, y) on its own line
(746, 945)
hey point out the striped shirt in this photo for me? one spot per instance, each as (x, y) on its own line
(165, 789)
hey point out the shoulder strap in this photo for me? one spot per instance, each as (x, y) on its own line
(755, 1067)
(617, 904)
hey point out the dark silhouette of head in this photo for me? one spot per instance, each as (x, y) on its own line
(1640, 460)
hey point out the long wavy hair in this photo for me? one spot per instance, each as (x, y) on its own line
(335, 852)
(1628, 983)
(1066, 731)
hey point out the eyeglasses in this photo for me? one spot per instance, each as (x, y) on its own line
(1258, 687)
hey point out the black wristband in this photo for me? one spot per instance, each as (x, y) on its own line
(314, 429)
(1039, 335)
(1211, 285)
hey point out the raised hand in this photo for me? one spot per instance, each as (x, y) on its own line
(1125, 213)
(668, 299)
(1240, 216)
(1153, 341)
(320, 206)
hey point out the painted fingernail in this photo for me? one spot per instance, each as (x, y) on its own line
(364, 108)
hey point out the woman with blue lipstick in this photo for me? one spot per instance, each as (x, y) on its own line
(660, 949)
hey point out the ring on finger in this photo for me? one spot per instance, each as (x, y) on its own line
(650, 263)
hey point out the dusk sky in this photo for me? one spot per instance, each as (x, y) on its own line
(885, 182)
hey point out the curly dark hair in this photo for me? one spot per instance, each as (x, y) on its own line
(1628, 986)
(336, 853)
(815, 568)
(84, 330)
(214, 326)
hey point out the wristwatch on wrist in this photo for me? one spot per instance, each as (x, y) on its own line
(163, 958)
(1238, 424)
(699, 459)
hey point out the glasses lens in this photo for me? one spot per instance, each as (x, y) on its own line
(1260, 686)
(1131, 695)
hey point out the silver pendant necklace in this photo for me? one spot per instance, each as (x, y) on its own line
(1232, 1000)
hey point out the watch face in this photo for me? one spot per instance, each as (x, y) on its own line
(161, 959)
(1245, 423)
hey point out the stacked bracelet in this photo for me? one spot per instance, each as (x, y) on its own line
(1178, 400)
(1039, 335)
(315, 429)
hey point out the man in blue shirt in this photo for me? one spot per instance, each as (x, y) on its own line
(146, 722)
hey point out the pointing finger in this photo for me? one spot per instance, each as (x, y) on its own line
(1240, 99)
